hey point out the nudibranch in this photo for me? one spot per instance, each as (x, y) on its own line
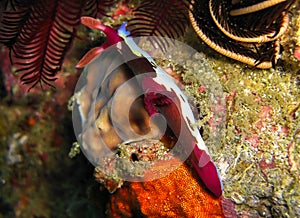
(104, 103)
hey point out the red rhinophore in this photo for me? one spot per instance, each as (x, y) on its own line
(112, 38)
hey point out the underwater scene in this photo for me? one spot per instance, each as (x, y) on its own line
(149, 108)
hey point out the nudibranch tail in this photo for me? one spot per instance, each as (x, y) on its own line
(112, 38)
(157, 99)
(207, 171)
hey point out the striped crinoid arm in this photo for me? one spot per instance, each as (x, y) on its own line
(247, 31)
(254, 26)
(40, 40)
(165, 18)
(39, 33)
(99, 8)
(13, 17)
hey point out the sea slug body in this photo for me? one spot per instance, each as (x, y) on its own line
(103, 115)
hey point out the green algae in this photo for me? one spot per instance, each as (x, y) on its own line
(37, 177)
(256, 142)
(75, 150)
(259, 161)
(3, 124)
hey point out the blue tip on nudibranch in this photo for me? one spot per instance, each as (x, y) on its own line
(122, 32)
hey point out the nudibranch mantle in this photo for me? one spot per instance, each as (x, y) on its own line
(161, 94)
(164, 82)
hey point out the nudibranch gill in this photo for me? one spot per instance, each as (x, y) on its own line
(161, 95)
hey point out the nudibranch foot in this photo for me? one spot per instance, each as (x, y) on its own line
(163, 95)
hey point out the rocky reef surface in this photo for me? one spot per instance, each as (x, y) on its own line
(256, 146)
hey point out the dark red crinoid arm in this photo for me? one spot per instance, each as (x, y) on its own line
(39, 33)
(165, 18)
